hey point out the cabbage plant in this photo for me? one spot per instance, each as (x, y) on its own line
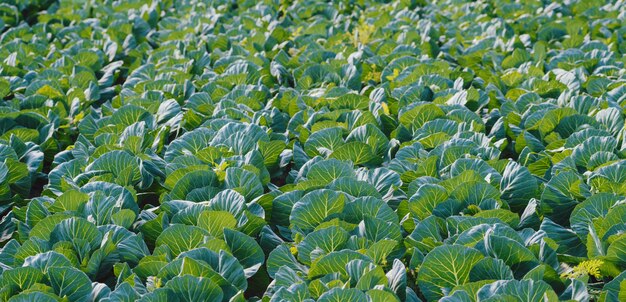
(306, 150)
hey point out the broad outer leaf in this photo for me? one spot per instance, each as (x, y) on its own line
(445, 267)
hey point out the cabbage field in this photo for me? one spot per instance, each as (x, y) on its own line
(309, 150)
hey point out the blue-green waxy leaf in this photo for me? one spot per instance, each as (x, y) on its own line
(34, 296)
(186, 266)
(483, 168)
(21, 278)
(282, 206)
(245, 249)
(328, 240)
(357, 269)
(329, 170)
(427, 198)
(513, 253)
(324, 142)
(282, 256)
(123, 197)
(131, 114)
(70, 200)
(36, 212)
(181, 238)
(193, 180)
(359, 208)
(357, 152)
(46, 260)
(490, 269)
(189, 288)
(446, 267)
(130, 247)
(240, 138)
(372, 136)
(371, 279)
(117, 163)
(190, 142)
(71, 283)
(244, 182)
(45, 226)
(584, 152)
(76, 231)
(530, 290)
(334, 262)
(215, 222)
(518, 186)
(614, 289)
(398, 278)
(224, 264)
(230, 201)
(576, 291)
(356, 188)
(611, 119)
(561, 194)
(345, 295)
(475, 235)
(569, 242)
(376, 229)
(419, 115)
(315, 208)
